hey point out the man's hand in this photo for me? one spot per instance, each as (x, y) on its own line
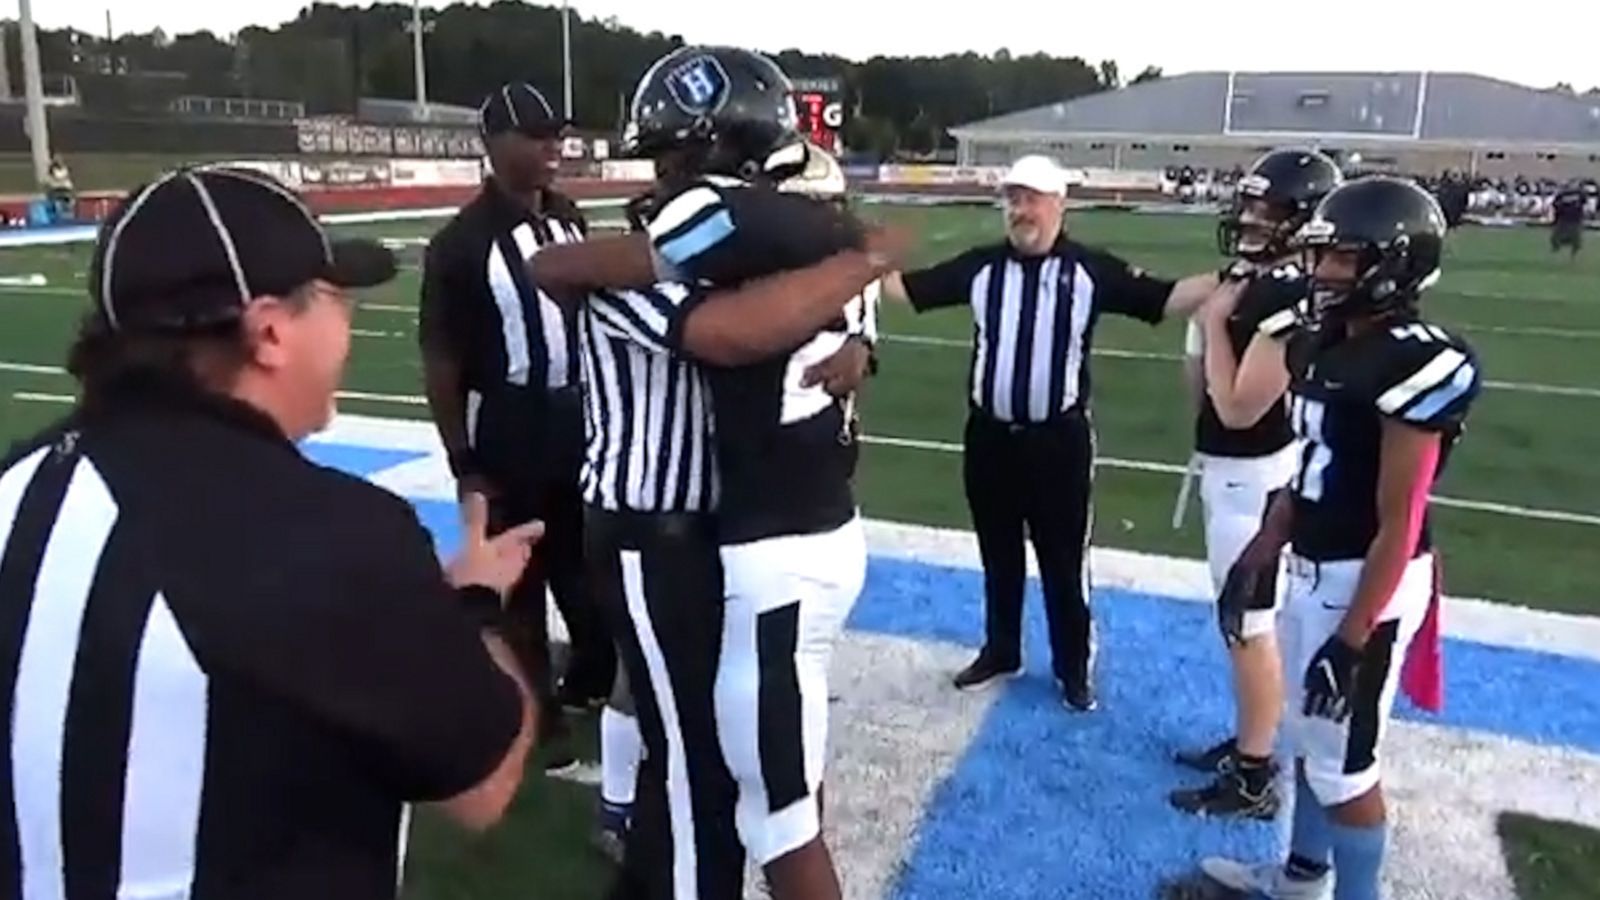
(1252, 584)
(1330, 680)
(496, 563)
(1221, 304)
(888, 246)
(843, 373)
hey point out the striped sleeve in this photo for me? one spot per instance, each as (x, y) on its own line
(1434, 390)
(652, 319)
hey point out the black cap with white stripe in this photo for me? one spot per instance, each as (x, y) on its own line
(518, 106)
(193, 248)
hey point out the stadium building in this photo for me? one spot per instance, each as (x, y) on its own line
(1414, 122)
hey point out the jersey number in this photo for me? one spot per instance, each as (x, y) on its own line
(1307, 415)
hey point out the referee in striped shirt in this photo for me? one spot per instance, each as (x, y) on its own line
(1029, 455)
(653, 488)
(225, 670)
(501, 365)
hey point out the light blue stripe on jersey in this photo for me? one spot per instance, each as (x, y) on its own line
(1436, 400)
(697, 240)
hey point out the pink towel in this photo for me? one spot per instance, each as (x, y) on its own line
(1422, 675)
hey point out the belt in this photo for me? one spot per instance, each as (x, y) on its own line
(1075, 414)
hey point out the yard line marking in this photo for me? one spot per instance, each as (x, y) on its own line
(1138, 465)
(1134, 465)
(1576, 334)
(31, 369)
(386, 307)
(1559, 390)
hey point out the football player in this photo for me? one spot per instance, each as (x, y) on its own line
(1245, 450)
(1379, 396)
(719, 123)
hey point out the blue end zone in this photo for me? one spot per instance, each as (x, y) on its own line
(1047, 803)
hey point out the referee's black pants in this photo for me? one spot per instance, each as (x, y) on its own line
(1038, 476)
(658, 579)
(530, 444)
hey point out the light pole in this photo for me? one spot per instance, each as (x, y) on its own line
(33, 86)
(417, 28)
(566, 59)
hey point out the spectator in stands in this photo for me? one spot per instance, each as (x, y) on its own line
(58, 190)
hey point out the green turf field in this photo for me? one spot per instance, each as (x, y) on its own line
(1534, 319)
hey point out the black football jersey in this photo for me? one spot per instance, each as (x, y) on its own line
(786, 454)
(1411, 371)
(1267, 305)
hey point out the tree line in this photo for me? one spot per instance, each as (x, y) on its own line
(328, 56)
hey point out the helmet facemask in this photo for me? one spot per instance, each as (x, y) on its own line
(1381, 284)
(1256, 228)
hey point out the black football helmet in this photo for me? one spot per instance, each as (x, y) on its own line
(734, 107)
(1395, 228)
(1291, 182)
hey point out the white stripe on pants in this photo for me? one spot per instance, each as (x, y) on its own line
(787, 601)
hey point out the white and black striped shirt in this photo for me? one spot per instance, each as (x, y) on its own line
(480, 305)
(651, 422)
(651, 436)
(225, 670)
(1034, 320)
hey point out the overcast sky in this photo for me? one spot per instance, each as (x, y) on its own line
(1521, 41)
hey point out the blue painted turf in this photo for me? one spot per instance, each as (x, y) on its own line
(1046, 803)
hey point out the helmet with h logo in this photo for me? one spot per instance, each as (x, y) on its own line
(732, 110)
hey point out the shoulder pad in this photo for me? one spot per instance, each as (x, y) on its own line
(1426, 376)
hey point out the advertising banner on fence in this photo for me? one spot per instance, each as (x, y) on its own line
(436, 172)
(347, 173)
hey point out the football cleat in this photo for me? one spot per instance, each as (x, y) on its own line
(1252, 795)
(1218, 758)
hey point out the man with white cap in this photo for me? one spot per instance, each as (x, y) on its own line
(1029, 452)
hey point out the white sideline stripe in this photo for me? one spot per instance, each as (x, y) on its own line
(1112, 353)
(1132, 465)
(1480, 621)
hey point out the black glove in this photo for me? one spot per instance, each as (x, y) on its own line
(1331, 680)
(1252, 584)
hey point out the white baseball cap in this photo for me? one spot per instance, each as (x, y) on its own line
(1039, 173)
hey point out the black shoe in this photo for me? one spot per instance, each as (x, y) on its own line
(985, 671)
(1216, 760)
(1246, 793)
(1079, 696)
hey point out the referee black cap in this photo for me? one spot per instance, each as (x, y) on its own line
(518, 106)
(191, 249)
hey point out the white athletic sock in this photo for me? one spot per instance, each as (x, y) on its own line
(620, 750)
